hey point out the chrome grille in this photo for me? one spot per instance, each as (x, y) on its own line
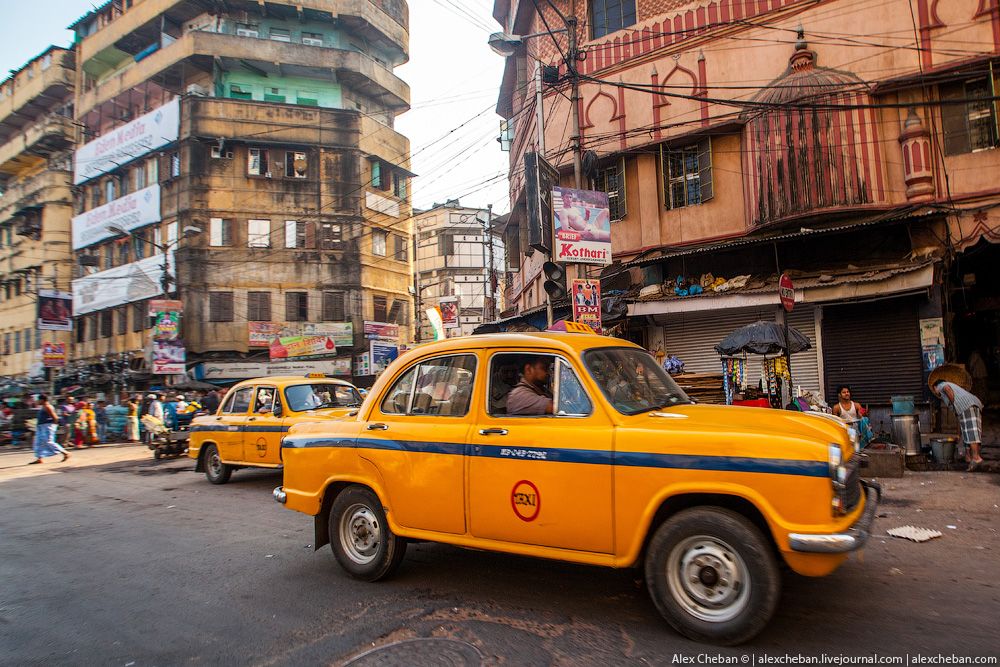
(850, 492)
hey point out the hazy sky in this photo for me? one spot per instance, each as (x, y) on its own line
(453, 79)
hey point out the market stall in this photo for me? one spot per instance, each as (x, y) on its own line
(774, 344)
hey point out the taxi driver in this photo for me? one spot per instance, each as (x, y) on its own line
(530, 396)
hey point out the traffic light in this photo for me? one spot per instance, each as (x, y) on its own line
(555, 281)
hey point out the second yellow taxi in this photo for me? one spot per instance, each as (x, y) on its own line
(247, 429)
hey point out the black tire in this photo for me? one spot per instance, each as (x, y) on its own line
(360, 536)
(713, 575)
(157, 454)
(216, 471)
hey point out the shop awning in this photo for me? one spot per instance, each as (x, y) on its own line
(857, 284)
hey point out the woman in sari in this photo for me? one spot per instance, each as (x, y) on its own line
(85, 426)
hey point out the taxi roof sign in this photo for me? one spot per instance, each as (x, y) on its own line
(315, 375)
(571, 327)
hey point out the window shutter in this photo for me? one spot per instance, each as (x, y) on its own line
(705, 169)
(290, 229)
(953, 120)
(310, 235)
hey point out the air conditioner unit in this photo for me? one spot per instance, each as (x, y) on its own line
(195, 89)
(218, 154)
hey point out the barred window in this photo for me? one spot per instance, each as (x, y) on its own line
(220, 306)
(296, 306)
(607, 16)
(687, 174)
(122, 314)
(379, 306)
(971, 126)
(333, 307)
(258, 306)
(107, 323)
(139, 316)
(611, 180)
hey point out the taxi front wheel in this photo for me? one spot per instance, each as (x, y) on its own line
(360, 535)
(712, 575)
(216, 471)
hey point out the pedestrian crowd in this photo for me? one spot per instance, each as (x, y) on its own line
(74, 422)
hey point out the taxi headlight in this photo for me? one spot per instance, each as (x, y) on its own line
(835, 457)
(838, 478)
(852, 433)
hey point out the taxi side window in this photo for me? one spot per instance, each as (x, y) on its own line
(506, 372)
(239, 402)
(440, 386)
(264, 400)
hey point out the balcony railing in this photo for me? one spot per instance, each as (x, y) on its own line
(27, 93)
(51, 134)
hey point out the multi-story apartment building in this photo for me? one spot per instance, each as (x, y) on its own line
(452, 262)
(252, 143)
(850, 145)
(36, 203)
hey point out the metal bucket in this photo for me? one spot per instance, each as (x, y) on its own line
(906, 433)
(943, 449)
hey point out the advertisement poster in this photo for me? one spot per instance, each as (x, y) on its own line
(382, 354)
(449, 312)
(362, 364)
(53, 355)
(262, 334)
(302, 347)
(587, 303)
(933, 356)
(381, 331)
(931, 332)
(168, 357)
(122, 284)
(55, 310)
(582, 226)
(166, 326)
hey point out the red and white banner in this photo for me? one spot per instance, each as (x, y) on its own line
(587, 303)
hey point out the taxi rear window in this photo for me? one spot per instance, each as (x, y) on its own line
(318, 395)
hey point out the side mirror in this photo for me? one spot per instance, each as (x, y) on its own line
(277, 409)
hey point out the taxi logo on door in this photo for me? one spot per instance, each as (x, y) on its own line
(525, 500)
(261, 447)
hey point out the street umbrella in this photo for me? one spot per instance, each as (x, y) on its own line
(193, 385)
(762, 338)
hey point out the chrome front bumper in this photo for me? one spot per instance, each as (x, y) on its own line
(279, 495)
(851, 539)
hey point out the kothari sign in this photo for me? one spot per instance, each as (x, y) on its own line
(582, 226)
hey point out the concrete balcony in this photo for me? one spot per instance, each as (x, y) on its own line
(36, 96)
(291, 124)
(259, 55)
(377, 139)
(42, 188)
(49, 135)
(142, 22)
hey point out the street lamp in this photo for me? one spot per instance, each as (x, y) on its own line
(189, 230)
(505, 44)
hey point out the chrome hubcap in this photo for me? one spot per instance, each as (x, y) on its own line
(215, 464)
(708, 579)
(360, 533)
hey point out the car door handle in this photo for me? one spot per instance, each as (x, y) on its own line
(492, 431)
(378, 427)
(252, 419)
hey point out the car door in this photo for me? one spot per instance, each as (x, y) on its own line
(543, 479)
(416, 432)
(230, 421)
(264, 426)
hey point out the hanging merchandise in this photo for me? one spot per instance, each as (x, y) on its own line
(734, 377)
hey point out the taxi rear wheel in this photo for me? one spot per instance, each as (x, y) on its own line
(713, 575)
(360, 536)
(216, 471)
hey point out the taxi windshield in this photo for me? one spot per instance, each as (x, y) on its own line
(318, 395)
(632, 381)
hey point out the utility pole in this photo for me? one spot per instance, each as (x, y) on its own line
(489, 276)
(416, 288)
(572, 58)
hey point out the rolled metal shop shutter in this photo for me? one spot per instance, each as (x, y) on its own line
(693, 337)
(874, 348)
(805, 365)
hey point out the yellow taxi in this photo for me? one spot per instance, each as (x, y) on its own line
(247, 429)
(580, 448)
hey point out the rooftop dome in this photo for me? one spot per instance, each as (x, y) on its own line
(804, 81)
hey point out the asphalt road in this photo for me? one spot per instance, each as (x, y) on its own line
(115, 559)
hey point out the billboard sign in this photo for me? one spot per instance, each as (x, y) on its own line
(582, 226)
(146, 133)
(381, 331)
(169, 357)
(449, 311)
(55, 310)
(262, 334)
(53, 355)
(540, 178)
(241, 370)
(382, 354)
(586, 296)
(129, 212)
(302, 347)
(116, 287)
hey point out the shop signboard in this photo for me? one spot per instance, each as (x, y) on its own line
(381, 331)
(382, 354)
(165, 306)
(53, 355)
(582, 226)
(302, 347)
(55, 310)
(116, 287)
(449, 306)
(261, 334)
(587, 303)
(241, 370)
(153, 130)
(129, 212)
(169, 357)
(540, 177)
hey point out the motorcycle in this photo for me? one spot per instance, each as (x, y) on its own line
(162, 440)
